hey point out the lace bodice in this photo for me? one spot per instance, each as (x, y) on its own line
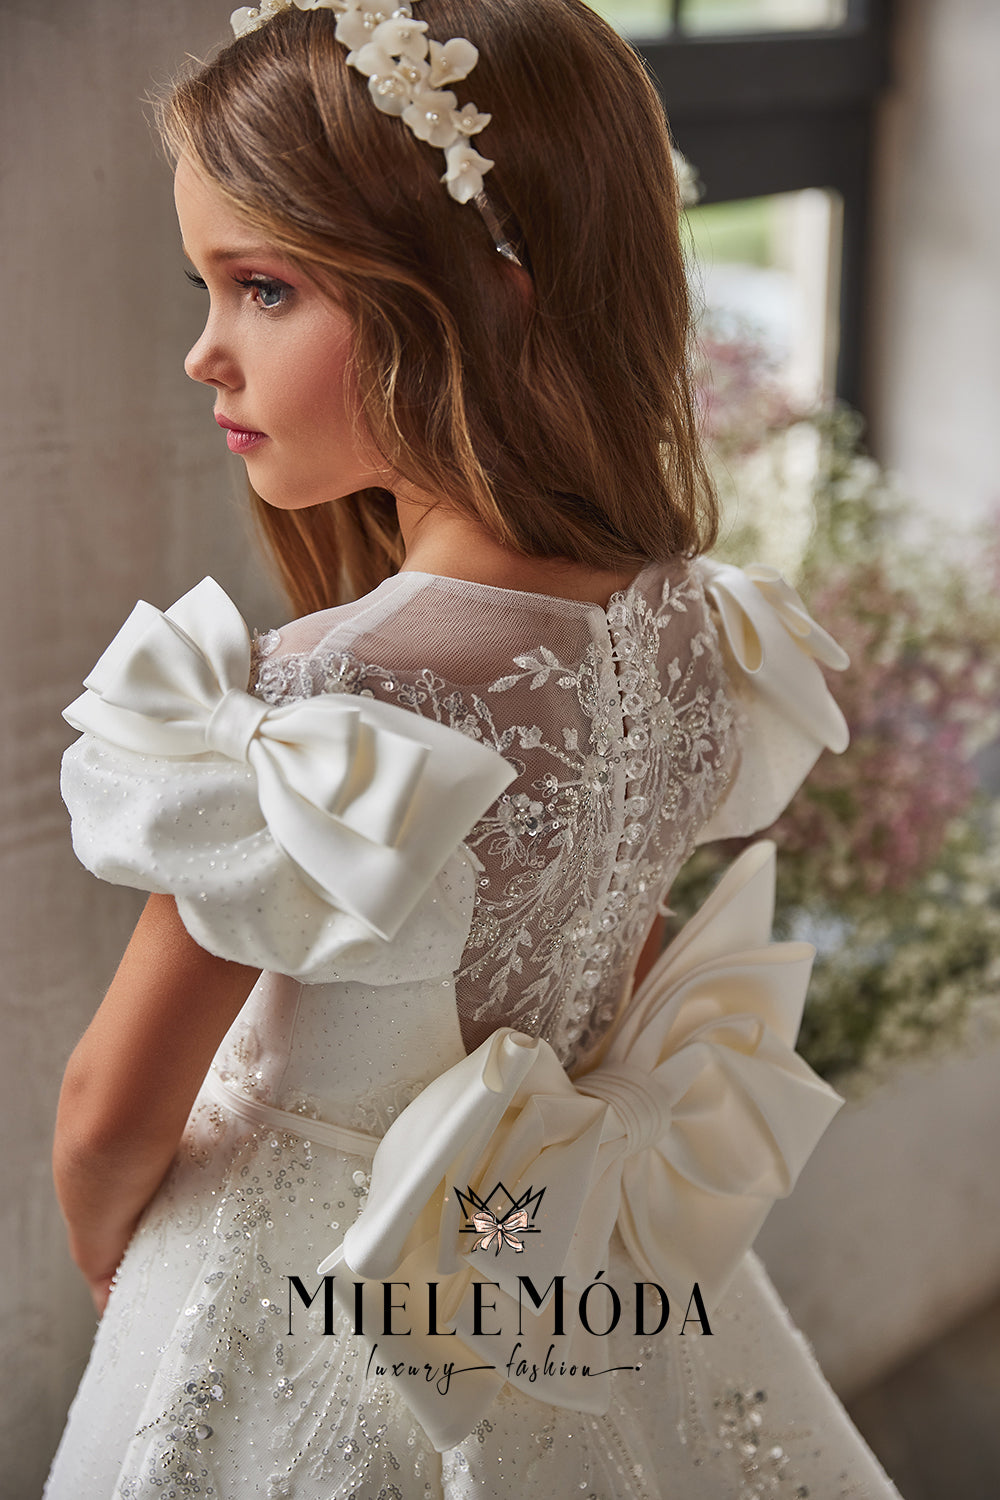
(620, 728)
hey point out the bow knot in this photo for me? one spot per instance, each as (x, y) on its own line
(234, 722)
(640, 1102)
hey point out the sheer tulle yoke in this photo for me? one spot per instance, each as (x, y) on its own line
(620, 730)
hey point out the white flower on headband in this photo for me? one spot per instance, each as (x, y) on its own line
(354, 31)
(396, 48)
(407, 76)
(466, 168)
(357, 22)
(392, 91)
(452, 61)
(401, 37)
(430, 117)
(468, 120)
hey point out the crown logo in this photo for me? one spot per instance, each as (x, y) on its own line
(499, 1219)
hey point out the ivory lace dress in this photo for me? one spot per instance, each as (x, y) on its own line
(442, 820)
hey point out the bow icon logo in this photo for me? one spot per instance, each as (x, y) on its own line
(499, 1219)
(500, 1229)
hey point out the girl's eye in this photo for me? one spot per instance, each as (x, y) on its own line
(269, 293)
(196, 280)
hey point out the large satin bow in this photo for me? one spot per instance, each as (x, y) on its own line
(343, 783)
(776, 644)
(698, 1117)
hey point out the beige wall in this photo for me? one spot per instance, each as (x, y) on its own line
(115, 483)
(936, 308)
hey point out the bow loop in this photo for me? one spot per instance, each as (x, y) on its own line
(776, 645)
(345, 786)
(789, 608)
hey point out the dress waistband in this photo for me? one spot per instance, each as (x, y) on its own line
(340, 1137)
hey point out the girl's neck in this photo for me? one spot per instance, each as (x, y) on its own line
(444, 542)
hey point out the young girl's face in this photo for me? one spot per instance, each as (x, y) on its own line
(275, 350)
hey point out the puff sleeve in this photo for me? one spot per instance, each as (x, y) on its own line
(773, 650)
(304, 839)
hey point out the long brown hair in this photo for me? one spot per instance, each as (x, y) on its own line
(564, 420)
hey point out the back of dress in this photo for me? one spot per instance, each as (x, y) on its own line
(619, 726)
(482, 844)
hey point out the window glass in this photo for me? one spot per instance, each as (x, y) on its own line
(768, 269)
(653, 18)
(761, 15)
(636, 18)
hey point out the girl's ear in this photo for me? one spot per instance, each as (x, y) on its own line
(521, 279)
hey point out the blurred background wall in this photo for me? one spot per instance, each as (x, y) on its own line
(116, 484)
(934, 371)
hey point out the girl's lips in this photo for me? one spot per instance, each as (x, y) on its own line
(239, 439)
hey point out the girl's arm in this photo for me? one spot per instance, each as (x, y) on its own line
(131, 1081)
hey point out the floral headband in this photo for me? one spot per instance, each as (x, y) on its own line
(408, 77)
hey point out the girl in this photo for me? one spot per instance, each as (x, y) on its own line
(409, 1171)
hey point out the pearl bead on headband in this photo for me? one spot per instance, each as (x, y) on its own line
(407, 77)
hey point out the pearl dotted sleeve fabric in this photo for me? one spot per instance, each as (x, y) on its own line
(194, 830)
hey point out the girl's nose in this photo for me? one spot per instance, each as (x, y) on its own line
(208, 360)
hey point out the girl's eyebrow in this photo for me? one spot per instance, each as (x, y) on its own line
(243, 252)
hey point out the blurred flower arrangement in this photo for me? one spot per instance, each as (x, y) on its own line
(890, 854)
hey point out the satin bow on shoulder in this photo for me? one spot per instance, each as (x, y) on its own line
(774, 651)
(698, 1117)
(367, 800)
(776, 644)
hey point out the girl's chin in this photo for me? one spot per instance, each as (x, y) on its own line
(303, 497)
(277, 499)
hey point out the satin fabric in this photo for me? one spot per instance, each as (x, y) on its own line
(775, 651)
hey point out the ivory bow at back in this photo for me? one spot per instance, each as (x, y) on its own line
(699, 1116)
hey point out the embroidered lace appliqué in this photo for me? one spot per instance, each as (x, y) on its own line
(627, 750)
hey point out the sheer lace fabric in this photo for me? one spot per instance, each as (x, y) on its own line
(621, 730)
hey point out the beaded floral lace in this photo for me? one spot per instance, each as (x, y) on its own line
(621, 730)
